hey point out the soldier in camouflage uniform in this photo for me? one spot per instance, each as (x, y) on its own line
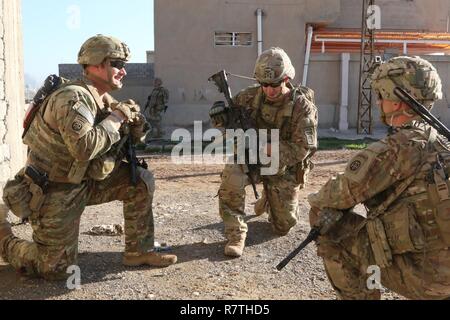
(403, 181)
(274, 103)
(155, 106)
(75, 140)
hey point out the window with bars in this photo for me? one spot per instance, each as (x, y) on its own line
(233, 39)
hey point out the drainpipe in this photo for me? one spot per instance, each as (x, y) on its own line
(307, 54)
(343, 107)
(259, 15)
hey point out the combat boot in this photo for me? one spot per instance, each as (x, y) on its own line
(235, 246)
(261, 206)
(280, 233)
(150, 258)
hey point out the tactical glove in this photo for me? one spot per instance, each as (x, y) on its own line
(129, 108)
(324, 219)
(139, 128)
(218, 114)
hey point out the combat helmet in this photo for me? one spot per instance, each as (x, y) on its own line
(414, 74)
(273, 65)
(99, 47)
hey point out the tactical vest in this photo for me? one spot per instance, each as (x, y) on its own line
(418, 220)
(47, 149)
(275, 115)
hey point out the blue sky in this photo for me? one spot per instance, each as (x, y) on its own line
(54, 32)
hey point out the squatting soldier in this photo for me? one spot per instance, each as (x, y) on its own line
(155, 106)
(73, 152)
(403, 181)
(274, 103)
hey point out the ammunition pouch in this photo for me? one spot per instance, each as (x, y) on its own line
(403, 232)
(439, 196)
(38, 187)
(379, 243)
(25, 193)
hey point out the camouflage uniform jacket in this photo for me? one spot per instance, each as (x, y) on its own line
(69, 131)
(295, 117)
(157, 100)
(414, 153)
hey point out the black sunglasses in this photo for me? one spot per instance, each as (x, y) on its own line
(273, 85)
(118, 64)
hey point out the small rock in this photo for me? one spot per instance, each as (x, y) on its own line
(196, 294)
(106, 230)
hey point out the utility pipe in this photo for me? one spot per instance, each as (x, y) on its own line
(259, 15)
(307, 55)
(403, 42)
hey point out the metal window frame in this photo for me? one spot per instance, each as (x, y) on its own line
(233, 41)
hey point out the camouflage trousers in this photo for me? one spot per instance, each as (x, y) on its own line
(282, 200)
(350, 264)
(156, 130)
(56, 225)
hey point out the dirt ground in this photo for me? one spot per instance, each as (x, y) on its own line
(187, 220)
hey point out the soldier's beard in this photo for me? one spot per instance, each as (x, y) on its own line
(115, 86)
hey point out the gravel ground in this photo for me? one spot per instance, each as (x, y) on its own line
(187, 220)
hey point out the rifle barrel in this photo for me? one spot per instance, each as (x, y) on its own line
(422, 111)
(313, 234)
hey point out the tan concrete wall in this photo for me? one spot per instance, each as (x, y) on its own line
(185, 54)
(324, 79)
(429, 15)
(12, 152)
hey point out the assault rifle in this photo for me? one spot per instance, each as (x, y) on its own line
(130, 155)
(237, 119)
(328, 220)
(422, 111)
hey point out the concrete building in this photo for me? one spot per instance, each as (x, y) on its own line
(12, 100)
(228, 34)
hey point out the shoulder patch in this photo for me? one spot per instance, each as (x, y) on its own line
(358, 167)
(355, 165)
(77, 125)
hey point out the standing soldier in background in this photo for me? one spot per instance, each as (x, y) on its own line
(75, 159)
(274, 103)
(403, 181)
(155, 106)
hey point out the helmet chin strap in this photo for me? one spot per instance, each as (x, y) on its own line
(391, 115)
